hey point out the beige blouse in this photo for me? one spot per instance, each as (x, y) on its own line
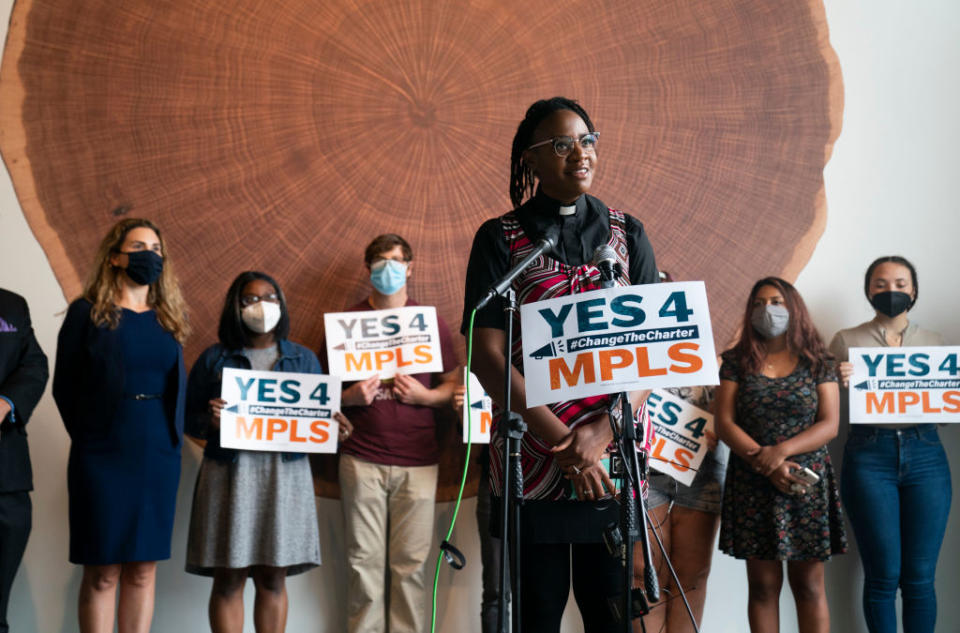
(871, 334)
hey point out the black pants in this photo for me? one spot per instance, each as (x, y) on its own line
(546, 576)
(15, 513)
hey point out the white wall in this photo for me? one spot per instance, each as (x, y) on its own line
(891, 187)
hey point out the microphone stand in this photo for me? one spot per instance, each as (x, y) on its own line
(512, 427)
(625, 436)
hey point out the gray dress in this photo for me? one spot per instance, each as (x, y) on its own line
(257, 511)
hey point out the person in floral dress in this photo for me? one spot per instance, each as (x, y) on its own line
(777, 407)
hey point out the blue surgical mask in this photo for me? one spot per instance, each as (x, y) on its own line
(770, 320)
(388, 276)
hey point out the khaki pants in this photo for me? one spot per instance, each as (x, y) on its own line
(388, 514)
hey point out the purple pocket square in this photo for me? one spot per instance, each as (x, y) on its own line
(6, 327)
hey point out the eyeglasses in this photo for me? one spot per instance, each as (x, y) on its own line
(249, 300)
(563, 145)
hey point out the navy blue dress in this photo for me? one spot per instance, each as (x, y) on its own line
(123, 484)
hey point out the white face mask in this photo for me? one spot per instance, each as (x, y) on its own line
(261, 317)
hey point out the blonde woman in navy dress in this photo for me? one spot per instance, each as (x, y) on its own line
(120, 383)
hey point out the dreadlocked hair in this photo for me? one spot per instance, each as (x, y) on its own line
(522, 180)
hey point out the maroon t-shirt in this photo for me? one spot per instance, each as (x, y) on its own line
(388, 431)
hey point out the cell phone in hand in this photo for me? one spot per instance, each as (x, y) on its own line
(805, 475)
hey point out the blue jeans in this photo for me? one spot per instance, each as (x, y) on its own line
(896, 489)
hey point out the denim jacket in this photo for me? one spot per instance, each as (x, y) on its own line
(204, 385)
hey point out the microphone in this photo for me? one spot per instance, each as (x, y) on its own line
(605, 258)
(545, 244)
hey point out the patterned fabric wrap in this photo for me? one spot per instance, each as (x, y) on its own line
(545, 279)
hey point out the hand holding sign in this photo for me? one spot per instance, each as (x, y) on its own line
(216, 406)
(410, 390)
(344, 426)
(362, 393)
(845, 371)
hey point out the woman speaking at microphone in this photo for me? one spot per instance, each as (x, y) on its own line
(895, 484)
(567, 491)
(119, 385)
(254, 512)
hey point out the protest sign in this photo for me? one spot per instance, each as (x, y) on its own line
(478, 413)
(618, 339)
(680, 443)
(383, 342)
(904, 385)
(279, 411)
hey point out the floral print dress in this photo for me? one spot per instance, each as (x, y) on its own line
(757, 520)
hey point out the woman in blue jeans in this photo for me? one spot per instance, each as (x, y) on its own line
(895, 482)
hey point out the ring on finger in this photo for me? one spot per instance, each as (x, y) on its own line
(576, 470)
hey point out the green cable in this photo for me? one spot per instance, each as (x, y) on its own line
(463, 479)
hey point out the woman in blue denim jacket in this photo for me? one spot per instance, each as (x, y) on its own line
(895, 481)
(253, 511)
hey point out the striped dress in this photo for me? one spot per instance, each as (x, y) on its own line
(548, 278)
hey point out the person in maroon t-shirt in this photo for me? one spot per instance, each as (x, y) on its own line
(388, 466)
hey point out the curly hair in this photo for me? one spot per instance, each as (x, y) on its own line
(103, 284)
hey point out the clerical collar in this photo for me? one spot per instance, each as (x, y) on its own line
(548, 206)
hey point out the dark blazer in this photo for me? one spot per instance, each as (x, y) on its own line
(88, 378)
(205, 381)
(23, 376)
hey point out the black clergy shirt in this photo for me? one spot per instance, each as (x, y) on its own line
(580, 234)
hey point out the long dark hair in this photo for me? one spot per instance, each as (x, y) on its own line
(802, 337)
(233, 334)
(891, 259)
(521, 177)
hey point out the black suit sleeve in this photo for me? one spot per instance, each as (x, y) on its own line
(25, 384)
(68, 379)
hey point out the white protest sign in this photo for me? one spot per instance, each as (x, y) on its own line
(904, 384)
(383, 342)
(279, 411)
(681, 443)
(477, 413)
(618, 339)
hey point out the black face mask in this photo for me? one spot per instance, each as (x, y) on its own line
(891, 303)
(144, 267)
